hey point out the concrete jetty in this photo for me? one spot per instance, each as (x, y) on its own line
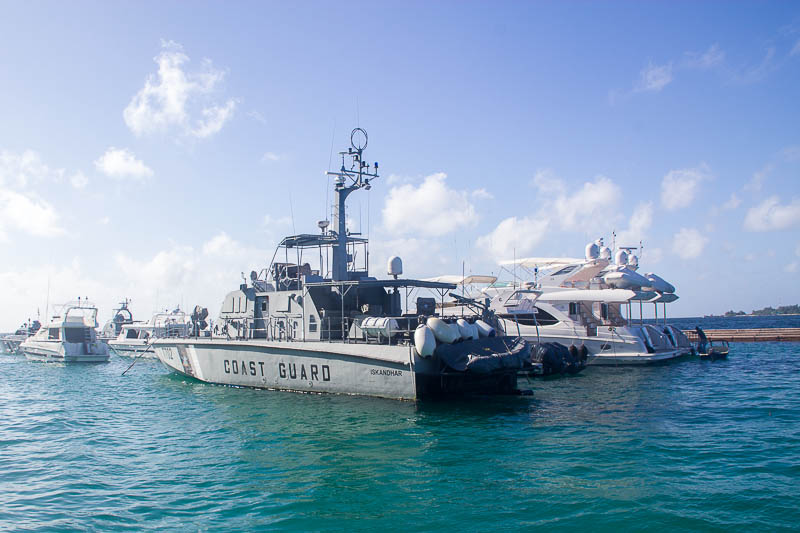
(749, 335)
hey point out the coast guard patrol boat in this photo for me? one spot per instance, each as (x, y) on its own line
(336, 329)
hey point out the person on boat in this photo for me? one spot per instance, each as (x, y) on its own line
(702, 340)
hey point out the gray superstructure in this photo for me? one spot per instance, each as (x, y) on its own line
(334, 328)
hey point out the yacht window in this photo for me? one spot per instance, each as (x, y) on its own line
(604, 311)
(312, 323)
(132, 334)
(52, 334)
(263, 306)
(541, 318)
(565, 270)
(573, 308)
(605, 347)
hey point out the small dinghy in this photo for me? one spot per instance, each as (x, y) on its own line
(708, 349)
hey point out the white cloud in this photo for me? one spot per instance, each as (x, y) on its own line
(20, 170)
(581, 210)
(482, 194)
(120, 163)
(214, 118)
(653, 255)
(791, 268)
(772, 215)
(171, 96)
(431, 209)
(270, 156)
(27, 214)
(639, 223)
(757, 181)
(79, 180)
(421, 257)
(28, 288)
(678, 188)
(195, 276)
(756, 73)
(547, 182)
(654, 77)
(688, 243)
(711, 57)
(514, 236)
(258, 117)
(733, 202)
(558, 210)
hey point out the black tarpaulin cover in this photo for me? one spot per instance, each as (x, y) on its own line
(485, 355)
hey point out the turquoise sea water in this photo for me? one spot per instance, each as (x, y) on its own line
(689, 445)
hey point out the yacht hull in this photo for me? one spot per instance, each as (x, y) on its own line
(65, 352)
(608, 351)
(367, 369)
(128, 349)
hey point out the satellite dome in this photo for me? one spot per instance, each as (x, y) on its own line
(621, 257)
(592, 251)
(394, 266)
(605, 252)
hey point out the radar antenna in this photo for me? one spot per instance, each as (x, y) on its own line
(354, 174)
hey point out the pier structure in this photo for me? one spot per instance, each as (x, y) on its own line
(748, 335)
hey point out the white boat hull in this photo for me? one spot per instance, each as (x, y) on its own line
(65, 352)
(129, 349)
(366, 369)
(605, 348)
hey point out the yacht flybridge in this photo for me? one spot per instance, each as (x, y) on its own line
(334, 328)
(590, 303)
(69, 337)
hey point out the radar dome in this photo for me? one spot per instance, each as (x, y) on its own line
(633, 262)
(592, 251)
(605, 252)
(394, 267)
(621, 257)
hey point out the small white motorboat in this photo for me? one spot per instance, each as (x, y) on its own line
(69, 337)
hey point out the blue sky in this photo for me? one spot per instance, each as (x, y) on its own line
(155, 150)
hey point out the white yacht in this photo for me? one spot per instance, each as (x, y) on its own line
(122, 315)
(590, 303)
(135, 338)
(69, 337)
(9, 343)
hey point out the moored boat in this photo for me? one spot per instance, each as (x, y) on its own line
(335, 328)
(135, 338)
(69, 337)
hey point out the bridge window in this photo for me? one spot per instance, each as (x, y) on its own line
(541, 318)
(566, 270)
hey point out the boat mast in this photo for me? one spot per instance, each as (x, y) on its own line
(348, 180)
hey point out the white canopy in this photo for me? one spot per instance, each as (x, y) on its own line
(530, 262)
(590, 295)
(665, 298)
(458, 279)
